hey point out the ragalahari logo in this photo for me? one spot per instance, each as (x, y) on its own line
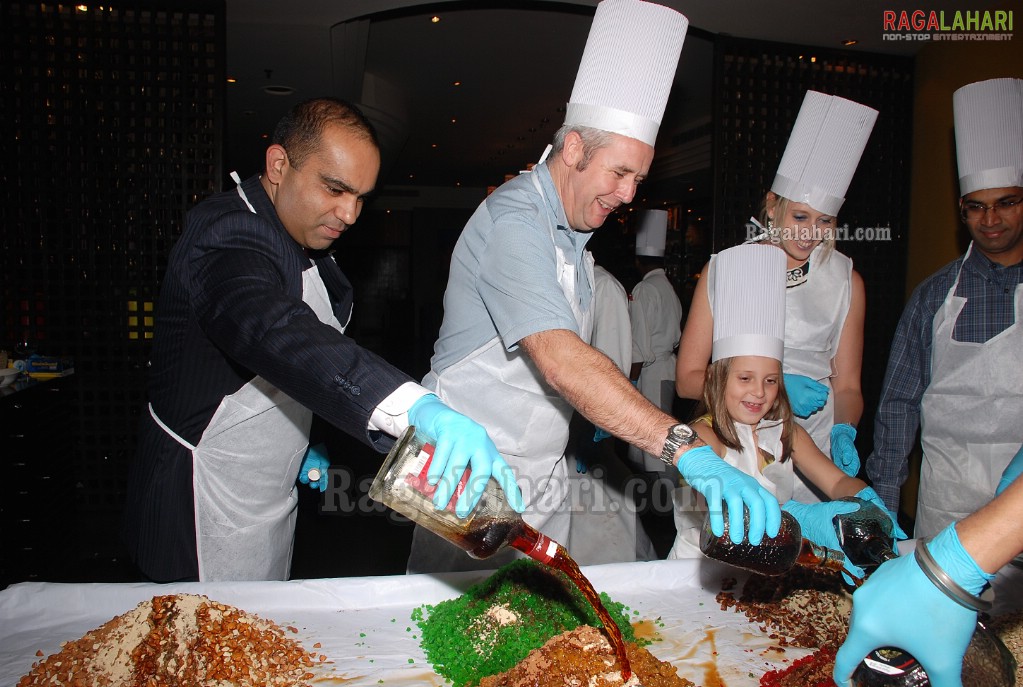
(942, 25)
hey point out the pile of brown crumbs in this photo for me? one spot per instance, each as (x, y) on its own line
(181, 639)
(583, 656)
(802, 608)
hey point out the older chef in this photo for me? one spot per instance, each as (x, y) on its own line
(513, 351)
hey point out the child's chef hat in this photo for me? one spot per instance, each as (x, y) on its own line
(652, 233)
(748, 301)
(823, 151)
(989, 134)
(627, 68)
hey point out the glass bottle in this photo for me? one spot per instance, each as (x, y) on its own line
(401, 484)
(987, 663)
(867, 535)
(774, 555)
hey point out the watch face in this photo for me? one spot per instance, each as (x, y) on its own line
(682, 431)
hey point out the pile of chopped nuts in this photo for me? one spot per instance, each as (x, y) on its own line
(181, 639)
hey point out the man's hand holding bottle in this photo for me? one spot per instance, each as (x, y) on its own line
(461, 443)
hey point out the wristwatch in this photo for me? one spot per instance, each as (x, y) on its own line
(678, 436)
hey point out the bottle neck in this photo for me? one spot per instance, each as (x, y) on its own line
(534, 544)
(812, 555)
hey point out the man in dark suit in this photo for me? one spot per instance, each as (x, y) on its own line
(249, 344)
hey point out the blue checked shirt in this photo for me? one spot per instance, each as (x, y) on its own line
(989, 290)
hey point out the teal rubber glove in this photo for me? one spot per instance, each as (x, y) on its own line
(461, 443)
(1011, 472)
(315, 461)
(718, 481)
(815, 521)
(600, 434)
(868, 494)
(843, 449)
(806, 396)
(898, 606)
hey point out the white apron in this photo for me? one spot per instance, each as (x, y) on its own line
(528, 421)
(970, 416)
(657, 380)
(815, 314)
(779, 478)
(244, 469)
(606, 527)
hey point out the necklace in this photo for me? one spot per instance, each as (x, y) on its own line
(798, 275)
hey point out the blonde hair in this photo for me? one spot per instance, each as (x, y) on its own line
(781, 205)
(722, 422)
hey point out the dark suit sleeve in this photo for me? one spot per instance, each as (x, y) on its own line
(246, 286)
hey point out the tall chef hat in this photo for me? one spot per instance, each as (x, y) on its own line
(652, 233)
(627, 68)
(824, 148)
(989, 134)
(748, 302)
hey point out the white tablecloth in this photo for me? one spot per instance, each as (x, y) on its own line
(363, 624)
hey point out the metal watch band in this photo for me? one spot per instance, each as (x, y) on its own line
(943, 581)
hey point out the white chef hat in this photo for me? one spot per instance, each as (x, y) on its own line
(627, 68)
(823, 151)
(652, 233)
(989, 134)
(748, 302)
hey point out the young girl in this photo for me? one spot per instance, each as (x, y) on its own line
(749, 422)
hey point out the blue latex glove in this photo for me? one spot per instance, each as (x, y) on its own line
(718, 481)
(580, 465)
(868, 494)
(843, 449)
(815, 521)
(898, 606)
(461, 443)
(806, 396)
(315, 459)
(1011, 472)
(600, 434)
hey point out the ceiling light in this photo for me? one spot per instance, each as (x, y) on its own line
(231, 79)
(849, 41)
(435, 19)
(457, 83)
(278, 90)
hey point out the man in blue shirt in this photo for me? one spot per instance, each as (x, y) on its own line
(513, 351)
(956, 365)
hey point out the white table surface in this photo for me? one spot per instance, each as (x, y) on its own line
(364, 626)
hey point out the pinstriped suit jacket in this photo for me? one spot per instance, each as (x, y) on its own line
(230, 308)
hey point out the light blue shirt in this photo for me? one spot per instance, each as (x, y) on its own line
(503, 280)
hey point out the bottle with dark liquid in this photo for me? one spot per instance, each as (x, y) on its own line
(774, 555)
(867, 535)
(401, 484)
(987, 663)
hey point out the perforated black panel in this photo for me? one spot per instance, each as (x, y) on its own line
(112, 119)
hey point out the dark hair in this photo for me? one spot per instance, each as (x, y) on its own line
(298, 131)
(724, 427)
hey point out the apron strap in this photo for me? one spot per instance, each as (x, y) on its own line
(169, 431)
(241, 192)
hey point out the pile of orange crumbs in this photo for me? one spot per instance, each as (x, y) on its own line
(181, 639)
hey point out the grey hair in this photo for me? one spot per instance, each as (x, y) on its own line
(593, 140)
